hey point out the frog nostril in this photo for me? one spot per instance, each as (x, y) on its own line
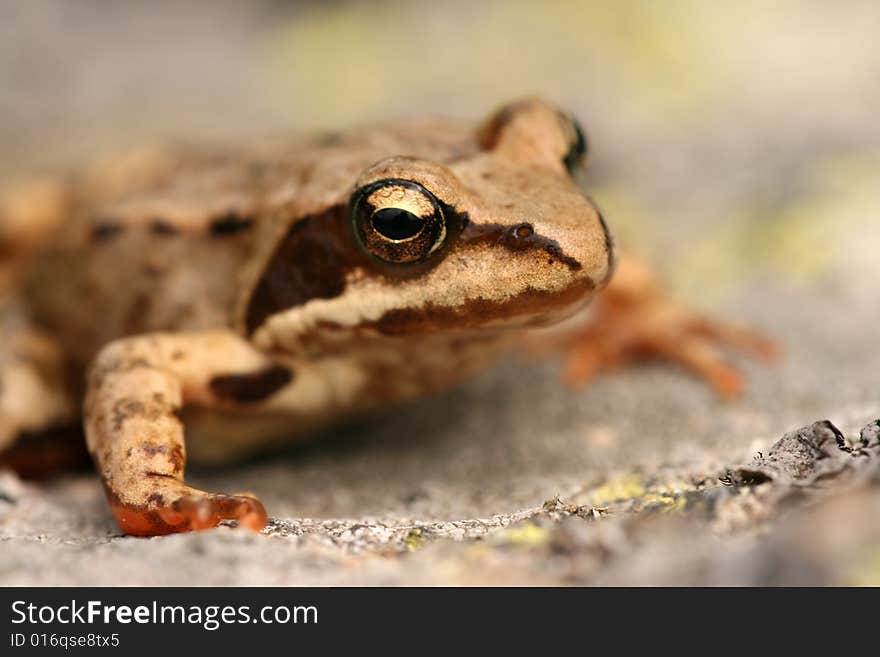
(519, 236)
(523, 231)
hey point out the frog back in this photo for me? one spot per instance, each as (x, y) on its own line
(152, 243)
(173, 238)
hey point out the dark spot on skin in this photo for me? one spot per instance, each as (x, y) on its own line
(157, 476)
(174, 454)
(553, 249)
(153, 450)
(330, 139)
(106, 229)
(230, 223)
(251, 388)
(519, 237)
(177, 354)
(124, 409)
(310, 263)
(156, 499)
(152, 270)
(176, 458)
(162, 228)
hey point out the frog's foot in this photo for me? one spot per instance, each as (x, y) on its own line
(635, 320)
(173, 507)
(136, 390)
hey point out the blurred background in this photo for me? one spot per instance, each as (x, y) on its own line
(735, 144)
(750, 126)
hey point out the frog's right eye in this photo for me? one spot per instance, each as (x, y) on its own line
(577, 151)
(397, 221)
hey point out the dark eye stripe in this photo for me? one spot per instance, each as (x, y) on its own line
(519, 237)
(309, 263)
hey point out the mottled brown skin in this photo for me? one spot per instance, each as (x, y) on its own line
(293, 283)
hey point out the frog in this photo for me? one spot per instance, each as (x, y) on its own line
(202, 301)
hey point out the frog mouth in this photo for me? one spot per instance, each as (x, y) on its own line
(530, 308)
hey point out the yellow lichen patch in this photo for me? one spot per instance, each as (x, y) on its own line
(668, 503)
(801, 239)
(522, 535)
(631, 487)
(625, 487)
(670, 496)
(414, 539)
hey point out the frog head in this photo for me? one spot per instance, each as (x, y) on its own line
(490, 235)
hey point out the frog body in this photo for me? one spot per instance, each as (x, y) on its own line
(258, 293)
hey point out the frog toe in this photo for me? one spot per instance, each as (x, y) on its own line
(197, 512)
(738, 338)
(194, 511)
(636, 319)
(680, 337)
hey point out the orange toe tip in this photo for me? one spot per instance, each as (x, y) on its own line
(191, 514)
(255, 521)
(251, 514)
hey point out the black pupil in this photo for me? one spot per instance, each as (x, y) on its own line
(397, 224)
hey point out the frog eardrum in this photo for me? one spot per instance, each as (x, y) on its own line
(398, 221)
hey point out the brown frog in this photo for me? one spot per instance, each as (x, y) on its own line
(258, 293)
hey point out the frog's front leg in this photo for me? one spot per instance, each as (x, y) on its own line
(137, 387)
(636, 319)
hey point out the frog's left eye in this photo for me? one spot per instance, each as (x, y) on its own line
(397, 221)
(577, 151)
